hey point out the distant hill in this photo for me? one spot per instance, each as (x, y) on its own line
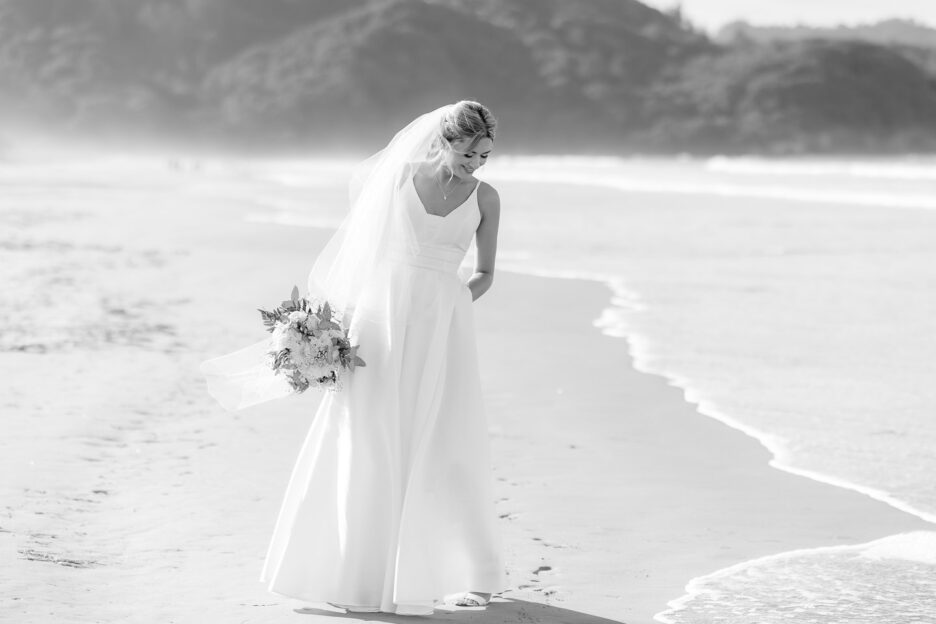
(915, 41)
(597, 55)
(609, 76)
(887, 32)
(373, 68)
(798, 97)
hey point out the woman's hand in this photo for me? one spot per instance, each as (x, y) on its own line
(478, 284)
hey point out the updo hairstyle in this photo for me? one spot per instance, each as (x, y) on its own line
(465, 119)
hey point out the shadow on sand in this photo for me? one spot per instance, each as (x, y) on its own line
(500, 611)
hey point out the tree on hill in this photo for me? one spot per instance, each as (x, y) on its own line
(887, 32)
(809, 96)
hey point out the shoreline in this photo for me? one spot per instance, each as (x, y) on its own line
(835, 517)
(623, 299)
(696, 587)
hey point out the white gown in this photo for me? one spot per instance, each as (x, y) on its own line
(390, 504)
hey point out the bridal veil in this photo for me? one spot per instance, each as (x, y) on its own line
(349, 272)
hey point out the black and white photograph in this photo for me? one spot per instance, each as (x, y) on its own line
(468, 311)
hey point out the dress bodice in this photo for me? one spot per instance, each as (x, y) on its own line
(444, 241)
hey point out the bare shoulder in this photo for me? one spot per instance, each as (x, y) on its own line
(488, 199)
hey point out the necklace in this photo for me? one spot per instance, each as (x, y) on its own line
(442, 190)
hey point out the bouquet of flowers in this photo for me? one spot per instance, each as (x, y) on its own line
(308, 346)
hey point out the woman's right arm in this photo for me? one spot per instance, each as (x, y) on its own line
(486, 239)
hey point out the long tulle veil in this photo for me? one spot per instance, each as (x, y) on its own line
(350, 270)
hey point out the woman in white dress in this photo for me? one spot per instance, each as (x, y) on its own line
(389, 507)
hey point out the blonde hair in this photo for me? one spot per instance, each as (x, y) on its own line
(466, 119)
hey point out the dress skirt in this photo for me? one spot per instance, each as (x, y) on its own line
(390, 503)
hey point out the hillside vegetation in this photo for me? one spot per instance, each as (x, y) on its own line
(608, 76)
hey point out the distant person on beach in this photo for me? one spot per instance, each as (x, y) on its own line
(390, 505)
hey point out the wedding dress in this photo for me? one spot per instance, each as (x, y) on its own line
(390, 506)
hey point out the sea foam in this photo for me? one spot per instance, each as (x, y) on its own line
(888, 580)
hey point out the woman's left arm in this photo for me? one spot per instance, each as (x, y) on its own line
(486, 238)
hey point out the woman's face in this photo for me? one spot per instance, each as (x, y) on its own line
(464, 159)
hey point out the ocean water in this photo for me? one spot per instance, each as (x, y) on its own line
(888, 581)
(794, 300)
(800, 316)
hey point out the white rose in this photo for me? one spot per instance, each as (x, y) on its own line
(280, 338)
(291, 340)
(299, 345)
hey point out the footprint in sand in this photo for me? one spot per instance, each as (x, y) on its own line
(549, 544)
(550, 591)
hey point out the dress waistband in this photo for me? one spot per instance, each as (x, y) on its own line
(443, 258)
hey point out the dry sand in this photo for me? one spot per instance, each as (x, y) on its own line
(129, 495)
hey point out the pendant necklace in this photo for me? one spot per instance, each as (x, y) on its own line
(442, 190)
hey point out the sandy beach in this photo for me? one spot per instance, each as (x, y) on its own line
(129, 495)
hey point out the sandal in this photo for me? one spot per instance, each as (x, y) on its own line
(471, 599)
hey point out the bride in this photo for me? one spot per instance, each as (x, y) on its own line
(389, 507)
